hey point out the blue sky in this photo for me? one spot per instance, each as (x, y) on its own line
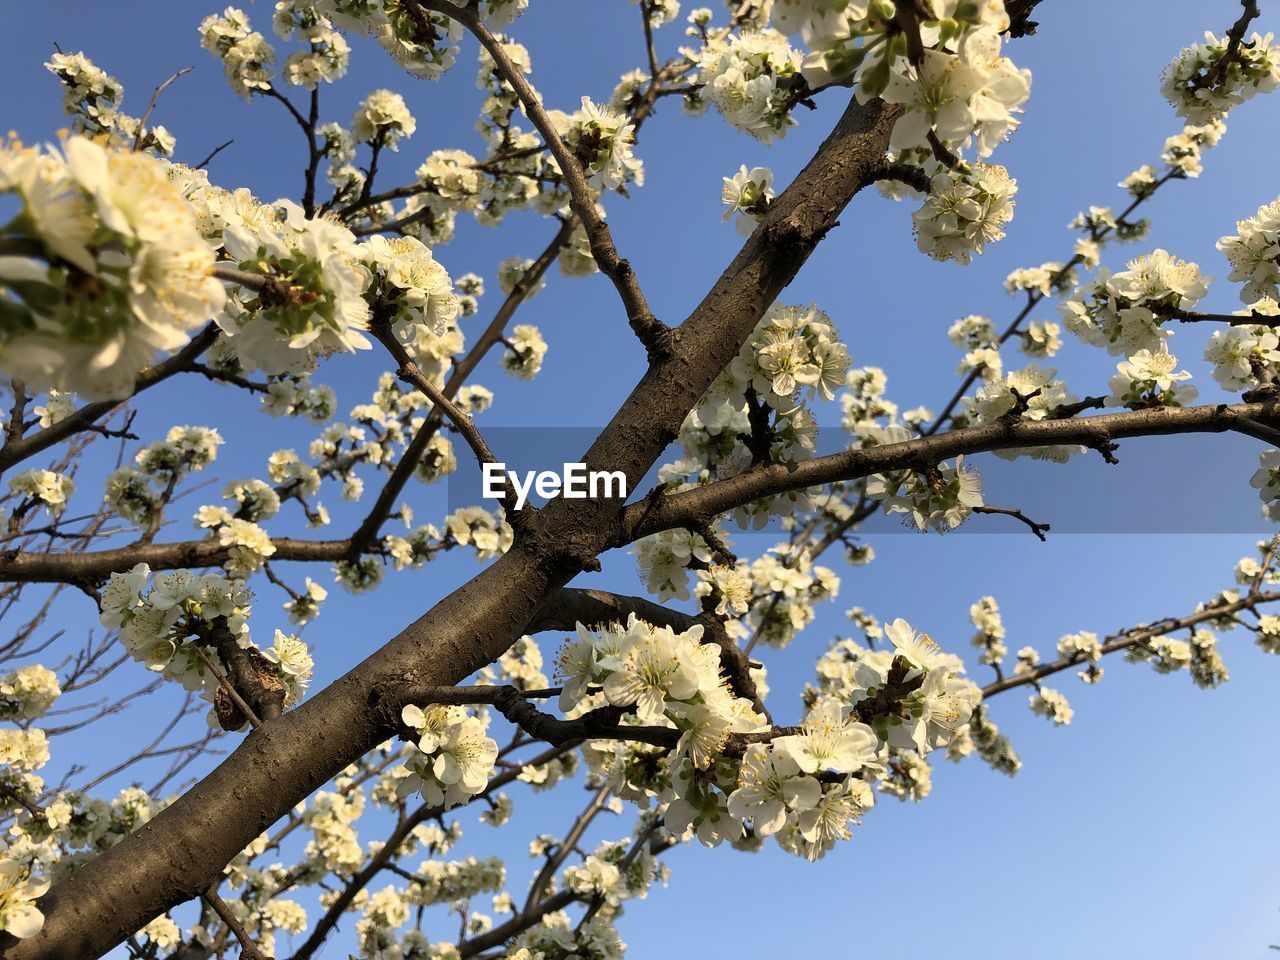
(1146, 828)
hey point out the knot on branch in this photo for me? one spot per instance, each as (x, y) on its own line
(887, 700)
(251, 691)
(575, 549)
(759, 442)
(793, 238)
(278, 292)
(1021, 404)
(658, 339)
(1107, 448)
(577, 556)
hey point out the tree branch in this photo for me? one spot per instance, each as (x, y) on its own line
(151, 105)
(712, 499)
(248, 949)
(391, 850)
(185, 846)
(1039, 529)
(654, 334)
(1131, 638)
(16, 450)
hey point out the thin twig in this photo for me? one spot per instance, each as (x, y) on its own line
(1039, 529)
(213, 153)
(155, 96)
(248, 948)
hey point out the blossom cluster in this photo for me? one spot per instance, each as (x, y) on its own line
(246, 55)
(93, 99)
(117, 268)
(28, 692)
(989, 638)
(940, 498)
(1150, 379)
(383, 119)
(327, 54)
(324, 311)
(1121, 312)
(802, 785)
(453, 757)
(793, 358)
(175, 623)
(47, 488)
(964, 211)
(137, 493)
(747, 77)
(421, 52)
(1244, 355)
(601, 139)
(746, 195)
(1254, 254)
(1203, 82)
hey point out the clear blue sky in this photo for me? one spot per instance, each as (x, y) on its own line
(1146, 828)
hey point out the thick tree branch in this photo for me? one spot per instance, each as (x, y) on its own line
(712, 499)
(18, 566)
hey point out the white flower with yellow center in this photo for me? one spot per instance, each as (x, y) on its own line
(294, 661)
(128, 270)
(579, 667)
(1160, 276)
(430, 725)
(655, 668)
(827, 741)
(420, 282)
(770, 785)
(828, 820)
(705, 732)
(946, 704)
(918, 649)
(460, 765)
(121, 595)
(19, 916)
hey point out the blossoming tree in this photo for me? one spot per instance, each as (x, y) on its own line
(121, 269)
